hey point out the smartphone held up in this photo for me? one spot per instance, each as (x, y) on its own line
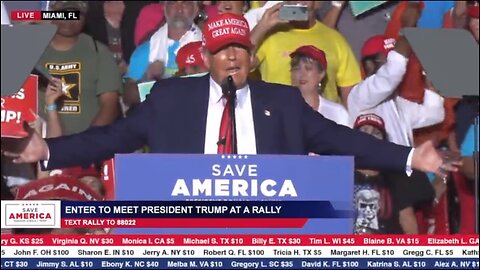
(293, 13)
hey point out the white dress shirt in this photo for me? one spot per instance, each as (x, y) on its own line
(334, 111)
(376, 94)
(246, 143)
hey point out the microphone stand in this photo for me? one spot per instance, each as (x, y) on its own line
(231, 94)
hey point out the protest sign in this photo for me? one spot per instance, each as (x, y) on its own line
(144, 89)
(19, 107)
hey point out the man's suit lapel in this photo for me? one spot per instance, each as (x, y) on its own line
(198, 106)
(263, 118)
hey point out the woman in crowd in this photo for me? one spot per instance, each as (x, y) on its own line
(308, 69)
(103, 23)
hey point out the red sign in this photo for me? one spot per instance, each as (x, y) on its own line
(20, 107)
(108, 179)
(26, 15)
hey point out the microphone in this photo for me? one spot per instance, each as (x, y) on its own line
(228, 87)
(229, 91)
(222, 141)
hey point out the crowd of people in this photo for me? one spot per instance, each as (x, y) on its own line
(373, 83)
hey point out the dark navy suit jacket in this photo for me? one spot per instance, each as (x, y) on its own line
(173, 120)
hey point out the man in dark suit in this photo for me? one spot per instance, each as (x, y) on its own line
(183, 115)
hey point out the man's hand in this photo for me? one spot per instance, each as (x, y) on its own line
(271, 17)
(427, 159)
(123, 66)
(411, 15)
(30, 149)
(131, 96)
(53, 91)
(155, 70)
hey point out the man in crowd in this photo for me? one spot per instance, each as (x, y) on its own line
(89, 75)
(375, 207)
(185, 115)
(155, 59)
(385, 69)
(378, 94)
(189, 60)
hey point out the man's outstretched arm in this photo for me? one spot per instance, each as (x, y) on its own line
(326, 137)
(92, 145)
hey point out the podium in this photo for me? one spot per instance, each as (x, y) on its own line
(230, 178)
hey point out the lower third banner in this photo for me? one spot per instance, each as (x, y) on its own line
(235, 178)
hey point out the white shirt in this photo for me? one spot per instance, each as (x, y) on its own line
(246, 143)
(337, 113)
(376, 94)
(333, 111)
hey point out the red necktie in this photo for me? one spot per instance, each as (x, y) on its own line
(225, 136)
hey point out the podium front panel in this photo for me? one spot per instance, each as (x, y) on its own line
(171, 177)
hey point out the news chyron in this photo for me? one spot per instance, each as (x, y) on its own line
(61, 15)
(36, 15)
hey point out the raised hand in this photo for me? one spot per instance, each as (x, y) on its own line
(403, 47)
(411, 15)
(53, 91)
(155, 70)
(271, 17)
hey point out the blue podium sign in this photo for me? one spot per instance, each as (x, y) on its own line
(162, 177)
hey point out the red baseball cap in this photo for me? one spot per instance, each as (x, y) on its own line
(377, 44)
(473, 11)
(312, 52)
(370, 119)
(225, 29)
(77, 172)
(59, 187)
(189, 55)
